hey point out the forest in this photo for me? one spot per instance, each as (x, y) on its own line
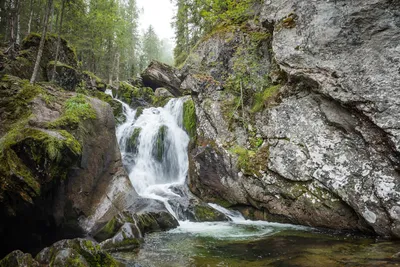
(105, 34)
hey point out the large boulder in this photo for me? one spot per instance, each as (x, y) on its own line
(25, 59)
(75, 252)
(126, 230)
(308, 132)
(159, 74)
(60, 165)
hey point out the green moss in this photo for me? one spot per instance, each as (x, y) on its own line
(127, 93)
(159, 101)
(206, 214)
(133, 141)
(189, 118)
(94, 256)
(290, 21)
(127, 244)
(261, 99)
(139, 112)
(15, 98)
(158, 150)
(29, 155)
(76, 110)
(251, 162)
(59, 64)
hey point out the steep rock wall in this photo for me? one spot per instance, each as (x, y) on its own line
(298, 115)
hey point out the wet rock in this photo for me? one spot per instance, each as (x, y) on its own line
(126, 230)
(75, 252)
(127, 238)
(159, 74)
(189, 207)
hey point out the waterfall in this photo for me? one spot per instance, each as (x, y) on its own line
(154, 145)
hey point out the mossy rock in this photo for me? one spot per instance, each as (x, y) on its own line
(116, 106)
(189, 118)
(128, 238)
(75, 252)
(109, 230)
(128, 93)
(93, 82)
(205, 213)
(159, 146)
(65, 76)
(133, 141)
(160, 101)
(15, 100)
(18, 258)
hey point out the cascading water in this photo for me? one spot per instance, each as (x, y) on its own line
(154, 149)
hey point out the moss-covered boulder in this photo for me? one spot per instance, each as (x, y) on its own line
(26, 57)
(204, 213)
(19, 259)
(76, 252)
(127, 238)
(134, 96)
(93, 82)
(65, 76)
(59, 161)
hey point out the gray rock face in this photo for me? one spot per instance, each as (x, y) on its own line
(324, 148)
(162, 92)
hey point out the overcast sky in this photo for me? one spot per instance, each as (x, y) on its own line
(158, 13)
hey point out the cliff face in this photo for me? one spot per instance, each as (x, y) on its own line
(298, 115)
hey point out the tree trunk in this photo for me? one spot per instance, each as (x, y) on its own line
(42, 41)
(12, 23)
(51, 16)
(17, 17)
(30, 18)
(117, 70)
(53, 75)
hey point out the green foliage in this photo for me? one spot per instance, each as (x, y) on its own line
(261, 99)
(189, 118)
(76, 110)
